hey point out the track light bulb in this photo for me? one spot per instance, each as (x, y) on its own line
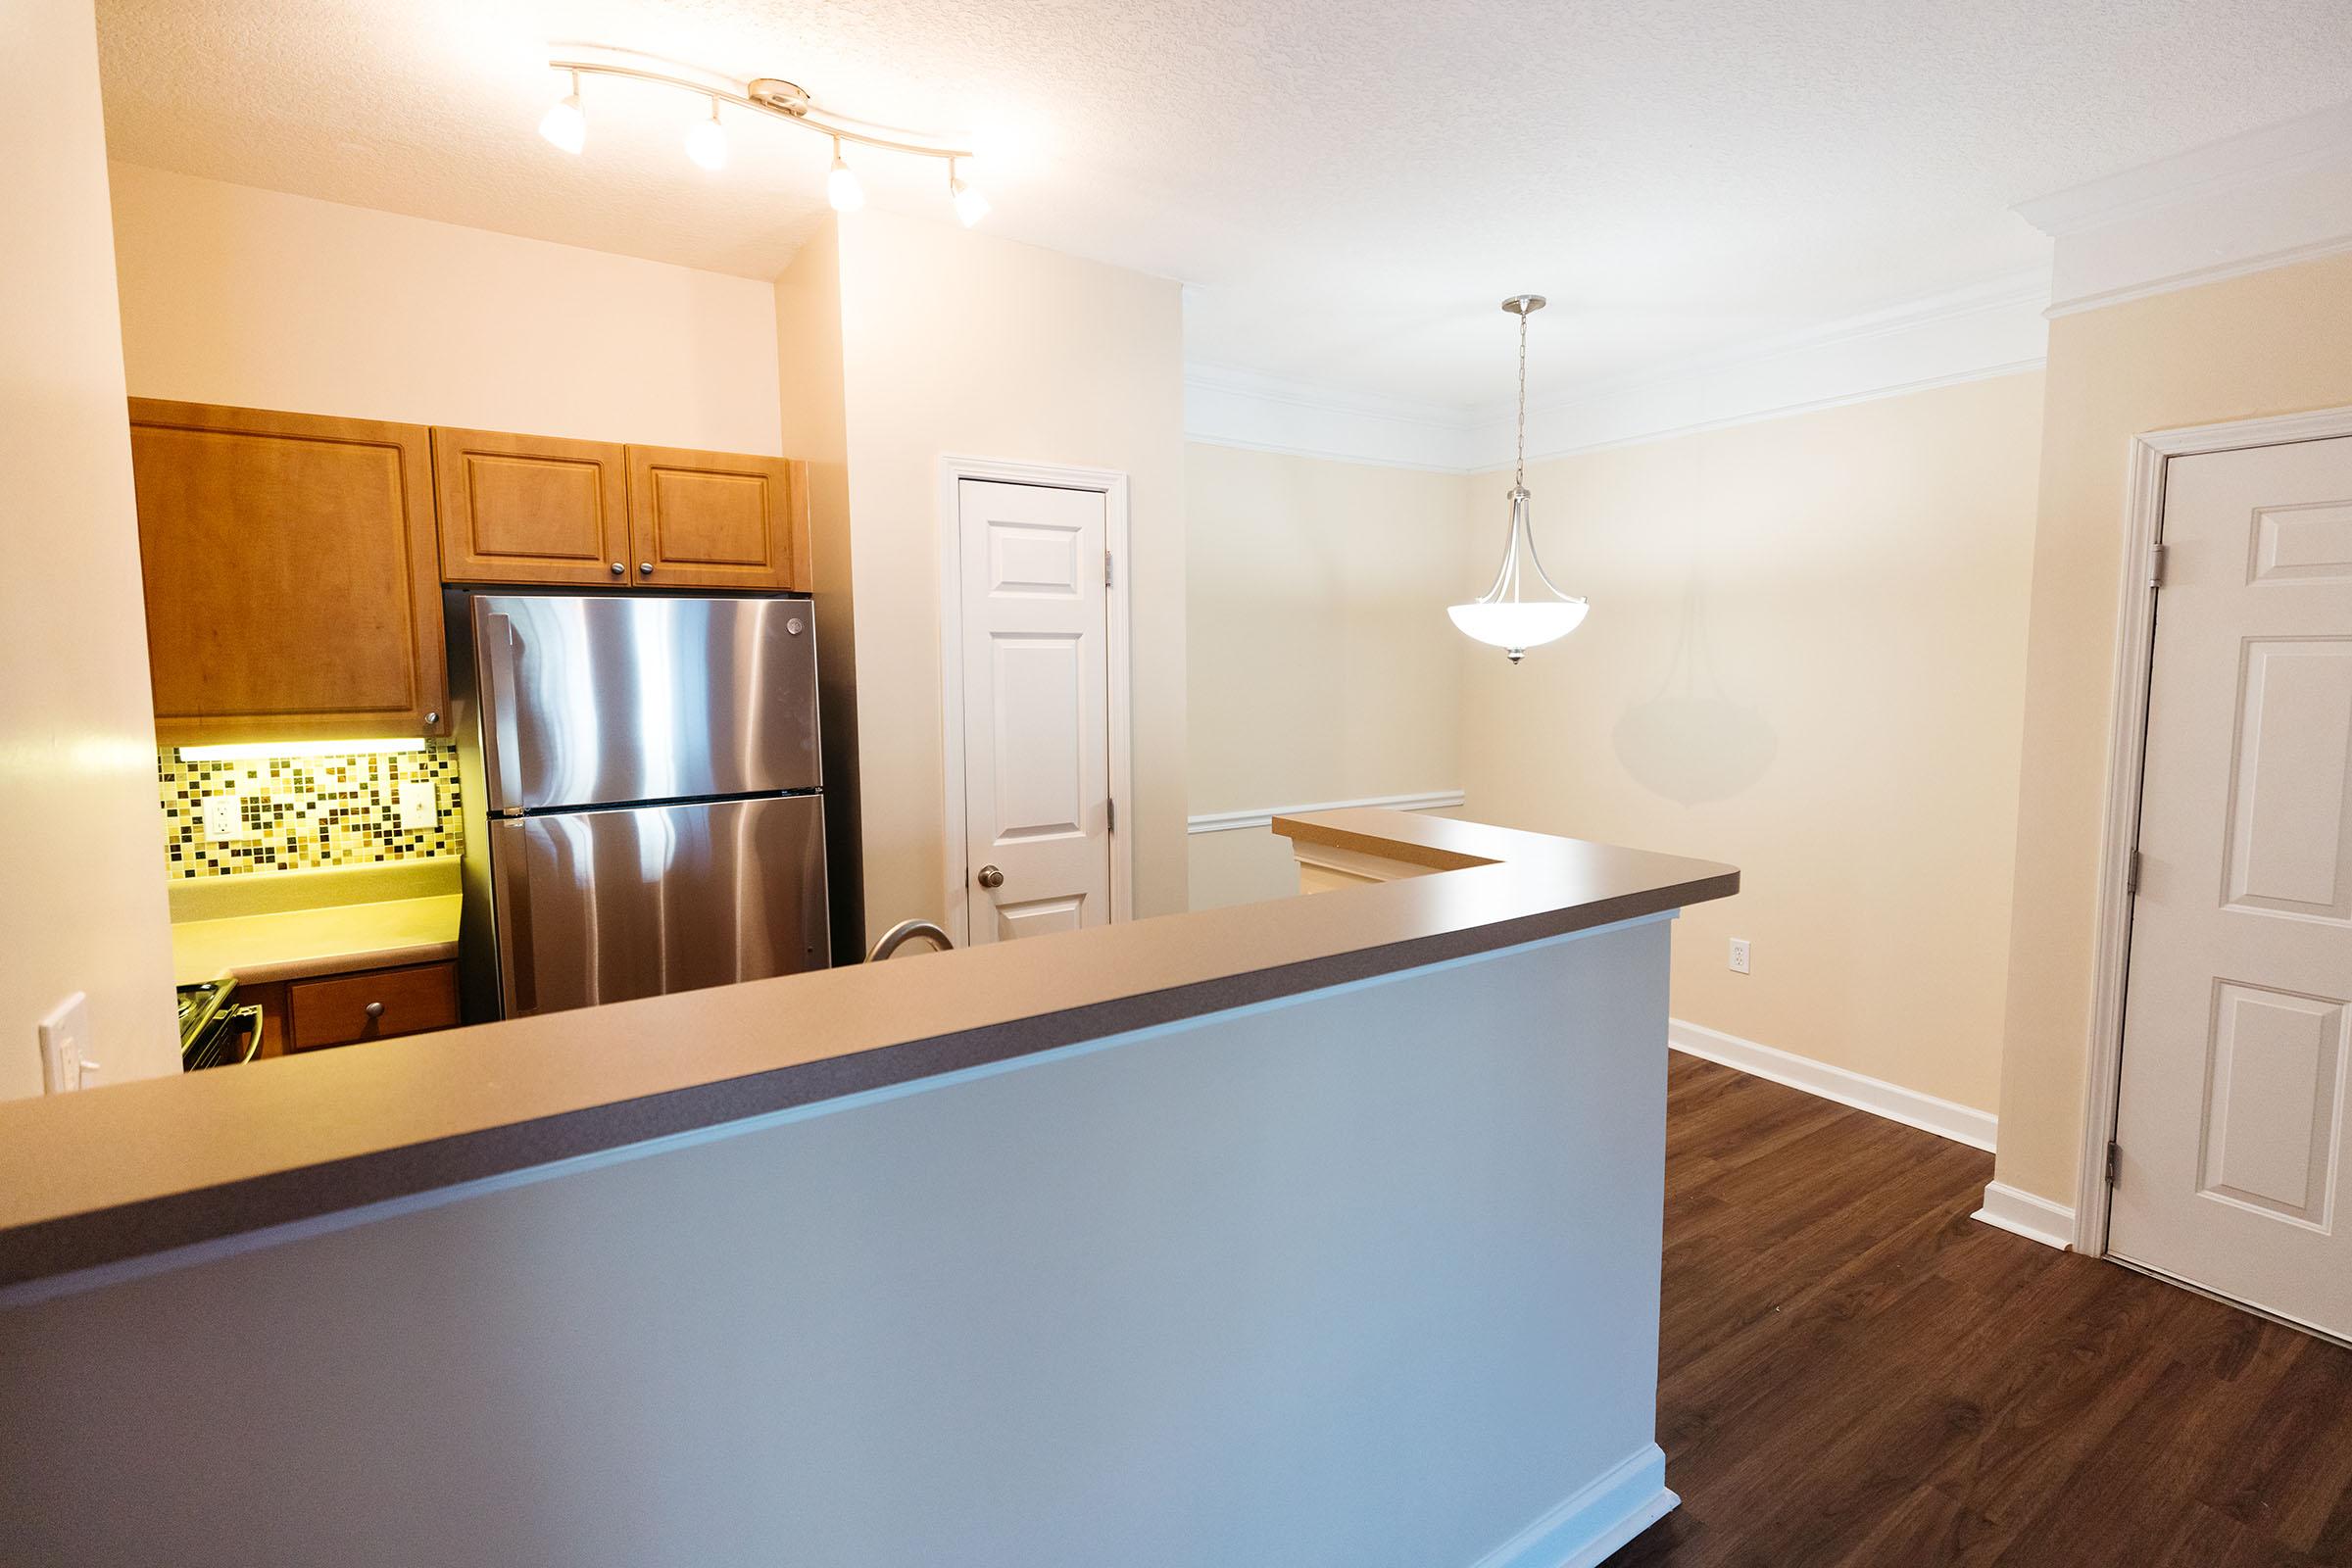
(840, 185)
(564, 124)
(970, 205)
(706, 142)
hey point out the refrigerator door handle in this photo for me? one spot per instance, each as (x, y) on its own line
(517, 954)
(498, 736)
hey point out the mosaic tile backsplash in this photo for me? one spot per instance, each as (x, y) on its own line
(307, 811)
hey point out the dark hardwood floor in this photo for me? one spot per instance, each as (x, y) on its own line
(1857, 1375)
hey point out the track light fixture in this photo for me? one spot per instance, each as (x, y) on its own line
(970, 205)
(566, 124)
(841, 183)
(706, 142)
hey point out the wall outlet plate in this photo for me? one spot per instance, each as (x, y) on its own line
(1739, 955)
(223, 817)
(420, 806)
(65, 1044)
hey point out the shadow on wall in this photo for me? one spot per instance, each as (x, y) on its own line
(1691, 741)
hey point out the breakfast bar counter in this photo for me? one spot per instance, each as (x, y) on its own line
(1013, 1254)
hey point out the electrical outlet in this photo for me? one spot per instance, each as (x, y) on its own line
(224, 816)
(420, 806)
(1739, 955)
(65, 1046)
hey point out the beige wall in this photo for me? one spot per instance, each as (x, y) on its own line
(1805, 656)
(2274, 342)
(256, 298)
(959, 342)
(808, 374)
(78, 822)
(1321, 671)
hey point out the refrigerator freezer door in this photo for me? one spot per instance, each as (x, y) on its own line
(593, 700)
(603, 906)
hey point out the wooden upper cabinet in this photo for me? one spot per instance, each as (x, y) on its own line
(530, 508)
(292, 585)
(717, 519)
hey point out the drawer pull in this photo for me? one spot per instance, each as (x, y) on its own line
(374, 1009)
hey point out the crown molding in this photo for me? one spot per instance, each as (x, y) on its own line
(1225, 406)
(2268, 152)
(2268, 198)
(2006, 292)
(1990, 328)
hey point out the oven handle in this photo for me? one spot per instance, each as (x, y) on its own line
(261, 1027)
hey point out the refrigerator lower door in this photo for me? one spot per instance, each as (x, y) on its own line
(603, 906)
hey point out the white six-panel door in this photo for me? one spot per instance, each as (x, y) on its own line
(1036, 708)
(2231, 1125)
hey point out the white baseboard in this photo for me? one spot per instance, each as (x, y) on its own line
(1584, 1531)
(1947, 1118)
(2037, 1219)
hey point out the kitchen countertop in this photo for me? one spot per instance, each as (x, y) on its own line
(294, 944)
(139, 1168)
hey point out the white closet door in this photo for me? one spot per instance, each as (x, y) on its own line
(1035, 710)
(2232, 1128)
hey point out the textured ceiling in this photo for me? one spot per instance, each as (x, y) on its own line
(1349, 184)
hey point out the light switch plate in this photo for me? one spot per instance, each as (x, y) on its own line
(224, 816)
(420, 806)
(65, 1044)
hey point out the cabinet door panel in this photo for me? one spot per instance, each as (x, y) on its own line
(289, 559)
(716, 519)
(529, 509)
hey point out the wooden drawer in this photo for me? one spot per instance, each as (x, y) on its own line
(335, 1012)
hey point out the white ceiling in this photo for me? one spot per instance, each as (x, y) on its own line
(1350, 187)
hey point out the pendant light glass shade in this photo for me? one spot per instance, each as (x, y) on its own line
(1524, 609)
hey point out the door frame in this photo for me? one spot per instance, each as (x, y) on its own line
(1111, 485)
(2126, 759)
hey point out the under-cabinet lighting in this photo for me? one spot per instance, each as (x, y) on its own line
(244, 750)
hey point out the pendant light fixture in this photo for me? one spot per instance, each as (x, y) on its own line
(1516, 614)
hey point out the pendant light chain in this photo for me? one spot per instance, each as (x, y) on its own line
(1519, 478)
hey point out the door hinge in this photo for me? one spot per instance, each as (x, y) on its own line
(1106, 568)
(2156, 565)
(2132, 873)
(1110, 815)
(2115, 1160)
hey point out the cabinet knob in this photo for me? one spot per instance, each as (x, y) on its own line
(433, 717)
(619, 570)
(376, 1009)
(991, 877)
(645, 568)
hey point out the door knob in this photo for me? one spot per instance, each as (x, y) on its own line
(991, 877)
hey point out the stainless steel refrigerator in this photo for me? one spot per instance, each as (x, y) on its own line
(644, 808)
